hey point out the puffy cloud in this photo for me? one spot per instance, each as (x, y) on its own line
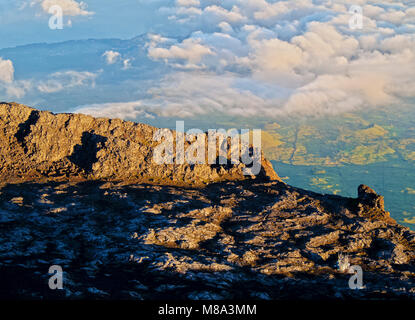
(266, 11)
(111, 57)
(233, 15)
(17, 89)
(69, 7)
(398, 17)
(54, 83)
(6, 71)
(126, 64)
(225, 27)
(396, 43)
(276, 60)
(322, 42)
(8, 86)
(190, 51)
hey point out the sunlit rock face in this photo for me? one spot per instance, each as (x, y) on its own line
(42, 145)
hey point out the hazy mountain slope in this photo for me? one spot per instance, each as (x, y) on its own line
(42, 65)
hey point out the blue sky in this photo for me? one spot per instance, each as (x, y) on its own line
(111, 19)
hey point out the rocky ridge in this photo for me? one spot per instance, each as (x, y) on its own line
(41, 145)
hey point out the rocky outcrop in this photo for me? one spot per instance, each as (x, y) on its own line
(41, 145)
(369, 197)
(371, 205)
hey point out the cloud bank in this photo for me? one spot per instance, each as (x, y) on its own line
(273, 58)
(249, 58)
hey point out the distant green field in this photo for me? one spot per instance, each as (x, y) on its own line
(395, 180)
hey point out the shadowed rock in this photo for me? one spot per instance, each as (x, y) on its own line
(371, 204)
(85, 154)
(232, 240)
(369, 197)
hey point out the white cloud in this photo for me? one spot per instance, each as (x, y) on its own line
(8, 86)
(190, 51)
(69, 7)
(69, 79)
(18, 89)
(275, 59)
(266, 11)
(187, 3)
(111, 57)
(6, 71)
(225, 27)
(58, 81)
(126, 64)
(124, 110)
(233, 15)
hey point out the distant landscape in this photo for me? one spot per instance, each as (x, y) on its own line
(334, 155)
(96, 188)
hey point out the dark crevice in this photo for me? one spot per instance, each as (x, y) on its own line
(85, 154)
(24, 128)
